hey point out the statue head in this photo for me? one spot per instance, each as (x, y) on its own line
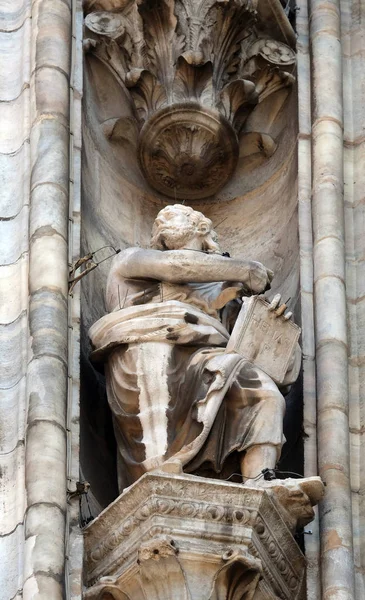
(178, 226)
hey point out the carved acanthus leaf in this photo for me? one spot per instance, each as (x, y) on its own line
(194, 82)
(197, 21)
(126, 31)
(238, 95)
(148, 94)
(162, 44)
(108, 53)
(270, 65)
(234, 22)
(121, 128)
(268, 78)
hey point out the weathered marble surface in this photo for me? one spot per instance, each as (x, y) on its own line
(264, 200)
(353, 53)
(176, 395)
(119, 209)
(328, 43)
(187, 537)
(35, 50)
(15, 74)
(331, 217)
(260, 336)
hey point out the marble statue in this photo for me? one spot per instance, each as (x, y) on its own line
(178, 399)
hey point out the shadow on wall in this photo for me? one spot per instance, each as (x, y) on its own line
(255, 216)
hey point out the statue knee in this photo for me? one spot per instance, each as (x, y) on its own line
(273, 404)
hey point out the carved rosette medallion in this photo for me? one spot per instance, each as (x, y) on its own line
(188, 152)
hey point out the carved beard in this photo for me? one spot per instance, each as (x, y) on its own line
(168, 238)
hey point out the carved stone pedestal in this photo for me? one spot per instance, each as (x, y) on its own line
(187, 538)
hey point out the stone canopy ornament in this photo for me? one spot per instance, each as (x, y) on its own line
(195, 71)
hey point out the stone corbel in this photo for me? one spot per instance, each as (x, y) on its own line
(160, 576)
(190, 538)
(270, 65)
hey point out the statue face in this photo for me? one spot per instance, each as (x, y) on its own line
(173, 229)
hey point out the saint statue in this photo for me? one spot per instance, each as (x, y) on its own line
(178, 398)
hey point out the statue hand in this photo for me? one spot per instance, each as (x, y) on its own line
(259, 278)
(279, 310)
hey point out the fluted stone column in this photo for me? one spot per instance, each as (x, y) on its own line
(330, 301)
(353, 45)
(45, 466)
(35, 44)
(306, 287)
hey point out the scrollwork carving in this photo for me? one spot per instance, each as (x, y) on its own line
(204, 511)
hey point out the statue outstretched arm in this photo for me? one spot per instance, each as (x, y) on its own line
(184, 266)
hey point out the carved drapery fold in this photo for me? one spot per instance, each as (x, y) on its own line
(196, 73)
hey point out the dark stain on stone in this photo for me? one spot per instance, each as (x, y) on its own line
(172, 336)
(46, 230)
(189, 318)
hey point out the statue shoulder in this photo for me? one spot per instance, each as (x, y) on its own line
(126, 254)
(131, 250)
(130, 261)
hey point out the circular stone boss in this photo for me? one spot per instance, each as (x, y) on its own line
(187, 151)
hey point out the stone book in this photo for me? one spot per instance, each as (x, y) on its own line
(266, 340)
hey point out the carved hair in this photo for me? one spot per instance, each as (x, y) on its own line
(197, 221)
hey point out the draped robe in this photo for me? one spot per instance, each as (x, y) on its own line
(174, 392)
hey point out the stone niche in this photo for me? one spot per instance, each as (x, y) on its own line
(189, 538)
(239, 94)
(187, 100)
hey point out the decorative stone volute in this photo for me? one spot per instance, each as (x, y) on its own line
(195, 72)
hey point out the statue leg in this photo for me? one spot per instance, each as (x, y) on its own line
(262, 416)
(257, 458)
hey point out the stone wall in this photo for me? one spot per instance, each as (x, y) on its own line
(15, 191)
